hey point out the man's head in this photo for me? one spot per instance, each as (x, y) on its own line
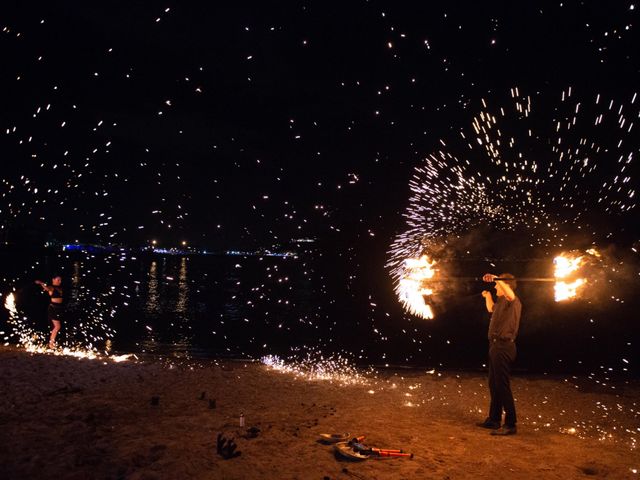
(511, 282)
(57, 280)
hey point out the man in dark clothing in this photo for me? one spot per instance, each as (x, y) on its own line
(503, 330)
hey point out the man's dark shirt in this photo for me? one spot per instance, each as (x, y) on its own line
(505, 319)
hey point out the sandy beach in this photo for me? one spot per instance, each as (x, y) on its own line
(70, 418)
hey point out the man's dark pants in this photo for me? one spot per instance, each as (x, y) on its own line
(502, 353)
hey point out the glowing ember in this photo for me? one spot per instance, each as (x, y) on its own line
(569, 431)
(411, 288)
(317, 368)
(76, 352)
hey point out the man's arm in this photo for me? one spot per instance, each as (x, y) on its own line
(508, 292)
(488, 300)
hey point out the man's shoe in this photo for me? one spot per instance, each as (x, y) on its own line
(505, 431)
(489, 424)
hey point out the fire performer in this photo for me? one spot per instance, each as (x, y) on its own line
(56, 307)
(503, 329)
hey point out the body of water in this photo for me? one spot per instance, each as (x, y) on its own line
(247, 307)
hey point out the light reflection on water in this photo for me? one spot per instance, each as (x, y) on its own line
(166, 295)
(194, 306)
(183, 288)
(75, 281)
(152, 301)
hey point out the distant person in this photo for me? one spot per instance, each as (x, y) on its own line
(55, 311)
(503, 329)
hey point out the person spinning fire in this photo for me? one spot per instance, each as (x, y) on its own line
(56, 306)
(503, 329)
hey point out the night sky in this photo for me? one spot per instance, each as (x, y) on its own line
(252, 124)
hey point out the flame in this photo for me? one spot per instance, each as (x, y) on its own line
(565, 291)
(411, 289)
(567, 267)
(10, 304)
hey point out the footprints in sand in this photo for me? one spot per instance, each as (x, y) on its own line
(593, 469)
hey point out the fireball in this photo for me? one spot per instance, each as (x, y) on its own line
(411, 288)
(569, 280)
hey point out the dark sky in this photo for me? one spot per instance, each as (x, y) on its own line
(249, 123)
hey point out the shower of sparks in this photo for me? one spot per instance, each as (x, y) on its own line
(34, 341)
(541, 171)
(316, 367)
(76, 352)
(20, 328)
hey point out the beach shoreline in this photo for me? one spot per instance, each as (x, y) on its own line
(65, 417)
